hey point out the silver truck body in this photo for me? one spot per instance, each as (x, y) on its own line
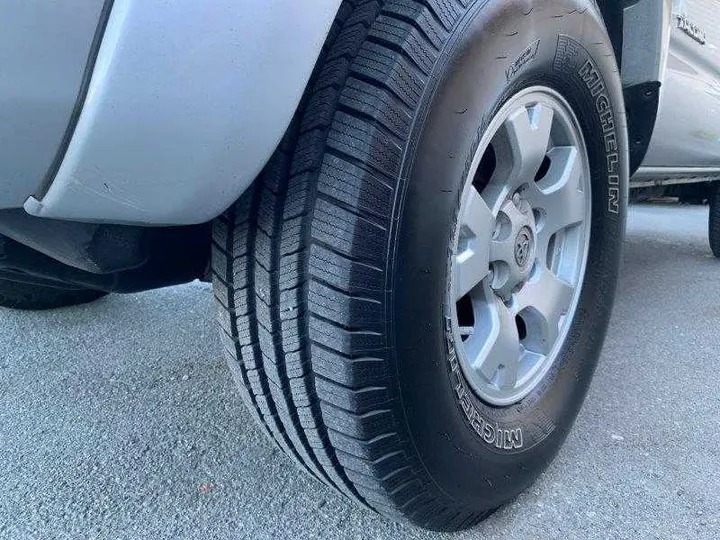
(147, 113)
(685, 143)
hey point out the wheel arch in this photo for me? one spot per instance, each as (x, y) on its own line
(183, 108)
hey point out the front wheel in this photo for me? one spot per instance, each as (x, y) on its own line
(414, 294)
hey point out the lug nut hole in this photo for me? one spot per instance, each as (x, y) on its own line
(544, 168)
(521, 327)
(465, 314)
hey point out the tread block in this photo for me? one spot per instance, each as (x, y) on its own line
(348, 371)
(343, 273)
(332, 74)
(348, 233)
(365, 313)
(308, 155)
(447, 11)
(379, 104)
(421, 17)
(362, 371)
(345, 341)
(401, 36)
(239, 273)
(377, 468)
(365, 142)
(365, 449)
(290, 275)
(361, 400)
(296, 201)
(220, 232)
(320, 109)
(355, 186)
(365, 426)
(383, 67)
(350, 39)
(219, 264)
(221, 291)
(392, 482)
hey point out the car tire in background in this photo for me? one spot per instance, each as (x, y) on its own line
(714, 219)
(414, 294)
(17, 295)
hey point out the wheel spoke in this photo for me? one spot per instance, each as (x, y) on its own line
(543, 301)
(472, 260)
(503, 249)
(498, 357)
(558, 195)
(528, 133)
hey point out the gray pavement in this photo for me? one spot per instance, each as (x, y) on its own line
(120, 420)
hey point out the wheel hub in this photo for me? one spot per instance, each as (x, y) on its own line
(512, 251)
(521, 246)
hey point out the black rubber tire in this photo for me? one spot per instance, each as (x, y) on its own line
(331, 273)
(714, 219)
(16, 295)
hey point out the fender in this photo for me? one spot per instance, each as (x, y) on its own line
(645, 45)
(186, 102)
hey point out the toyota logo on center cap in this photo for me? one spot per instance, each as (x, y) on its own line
(523, 245)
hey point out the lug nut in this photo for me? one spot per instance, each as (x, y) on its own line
(517, 200)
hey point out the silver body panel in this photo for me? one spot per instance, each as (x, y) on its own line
(186, 103)
(44, 47)
(187, 100)
(687, 129)
(646, 34)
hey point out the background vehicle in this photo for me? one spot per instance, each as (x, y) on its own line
(412, 212)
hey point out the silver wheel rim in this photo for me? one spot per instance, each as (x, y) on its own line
(521, 246)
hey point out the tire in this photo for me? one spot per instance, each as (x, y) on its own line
(18, 295)
(332, 275)
(714, 220)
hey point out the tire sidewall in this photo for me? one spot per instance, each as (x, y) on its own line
(500, 48)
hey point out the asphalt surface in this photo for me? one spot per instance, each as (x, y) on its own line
(119, 420)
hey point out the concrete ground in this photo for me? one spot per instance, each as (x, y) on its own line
(119, 420)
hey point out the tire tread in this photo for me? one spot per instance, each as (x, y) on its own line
(300, 262)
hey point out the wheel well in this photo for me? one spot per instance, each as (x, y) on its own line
(111, 258)
(612, 12)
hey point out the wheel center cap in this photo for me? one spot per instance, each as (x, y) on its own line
(523, 246)
(513, 252)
